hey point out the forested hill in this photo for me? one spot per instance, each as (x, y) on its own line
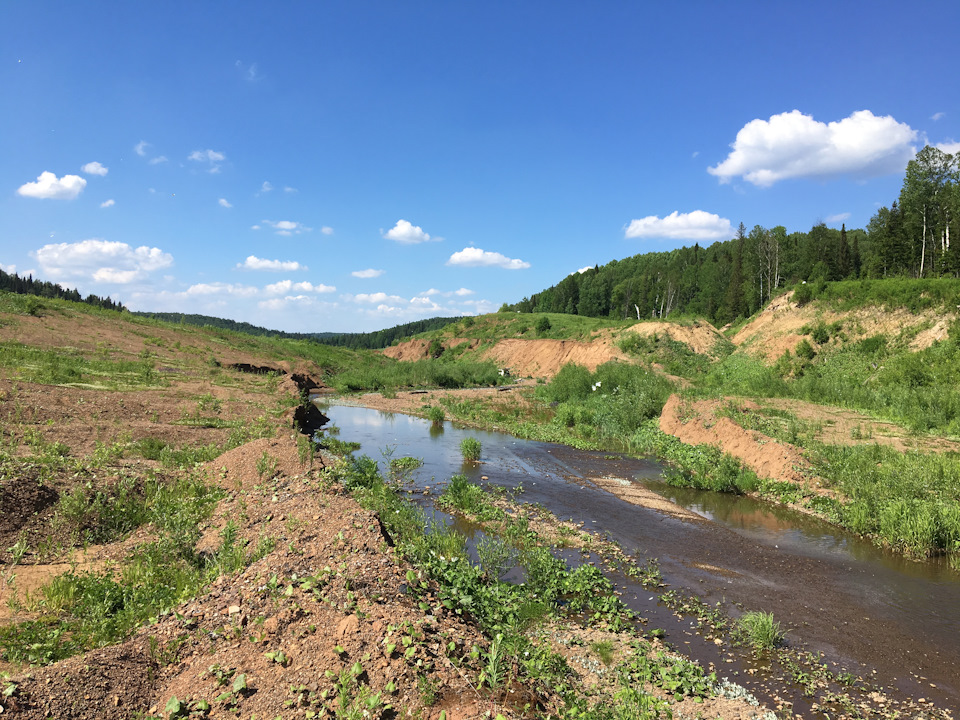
(735, 278)
(12, 282)
(372, 340)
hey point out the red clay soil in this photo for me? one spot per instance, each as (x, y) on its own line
(696, 423)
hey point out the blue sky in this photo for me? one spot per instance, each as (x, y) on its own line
(321, 166)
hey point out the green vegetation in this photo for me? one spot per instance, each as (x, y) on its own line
(760, 630)
(470, 449)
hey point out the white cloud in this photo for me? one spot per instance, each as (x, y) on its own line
(582, 270)
(285, 227)
(949, 147)
(463, 292)
(211, 157)
(696, 225)
(254, 227)
(48, 186)
(368, 273)
(223, 202)
(8, 268)
(794, 145)
(938, 116)
(254, 263)
(326, 230)
(288, 189)
(157, 160)
(95, 168)
(475, 257)
(408, 234)
(219, 288)
(378, 297)
(108, 203)
(839, 217)
(141, 148)
(287, 286)
(266, 187)
(250, 72)
(101, 260)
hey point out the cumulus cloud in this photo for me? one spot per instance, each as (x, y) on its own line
(950, 147)
(370, 298)
(108, 203)
(368, 273)
(462, 292)
(582, 270)
(219, 288)
(475, 257)
(288, 286)
(95, 168)
(211, 158)
(8, 268)
(223, 202)
(794, 145)
(254, 263)
(141, 148)
(326, 230)
(697, 225)
(49, 187)
(839, 217)
(101, 260)
(408, 234)
(284, 227)
(266, 187)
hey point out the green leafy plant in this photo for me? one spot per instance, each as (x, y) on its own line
(760, 630)
(470, 449)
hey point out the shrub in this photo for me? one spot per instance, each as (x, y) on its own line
(573, 382)
(805, 350)
(470, 449)
(543, 325)
(802, 294)
(436, 415)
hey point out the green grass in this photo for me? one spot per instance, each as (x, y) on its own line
(760, 630)
(65, 366)
(470, 449)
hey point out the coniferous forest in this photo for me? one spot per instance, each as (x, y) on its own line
(733, 279)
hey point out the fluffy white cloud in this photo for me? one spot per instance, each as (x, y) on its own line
(223, 202)
(95, 168)
(157, 160)
(794, 145)
(368, 273)
(326, 230)
(475, 257)
(211, 157)
(288, 189)
(101, 260)
(938, 116)
(287, 286)
(951, 148)
(370, 298)
(48, 186)
(266, 187)
(8, 268)
(219, 288)
(462, 292)
(141, 148)
(254, 263)
(839, 217)
(697, 225)
(108, 203)
(408, 234)
(284, 227)
(582, 270)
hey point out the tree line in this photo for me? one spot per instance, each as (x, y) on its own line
(733, 279)
(12, 282)
(372, 340)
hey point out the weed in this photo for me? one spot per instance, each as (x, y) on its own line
(759, 630)
(470, 449)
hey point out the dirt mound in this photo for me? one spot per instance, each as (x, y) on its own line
(544, 358)
(701, 336)
(779, 327)
(696, 423)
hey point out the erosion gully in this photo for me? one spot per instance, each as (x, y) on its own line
(870, 612)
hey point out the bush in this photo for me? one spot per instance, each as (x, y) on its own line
(543, 325)
(436, 415)
(805, 350)
(573, 382)
(470, 449)
(802, 294)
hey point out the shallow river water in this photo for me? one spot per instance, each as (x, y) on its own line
(869, 610)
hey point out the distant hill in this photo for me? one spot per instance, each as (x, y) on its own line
(11, 282)
(372, 340)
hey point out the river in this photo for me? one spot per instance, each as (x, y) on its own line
(871, 611)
